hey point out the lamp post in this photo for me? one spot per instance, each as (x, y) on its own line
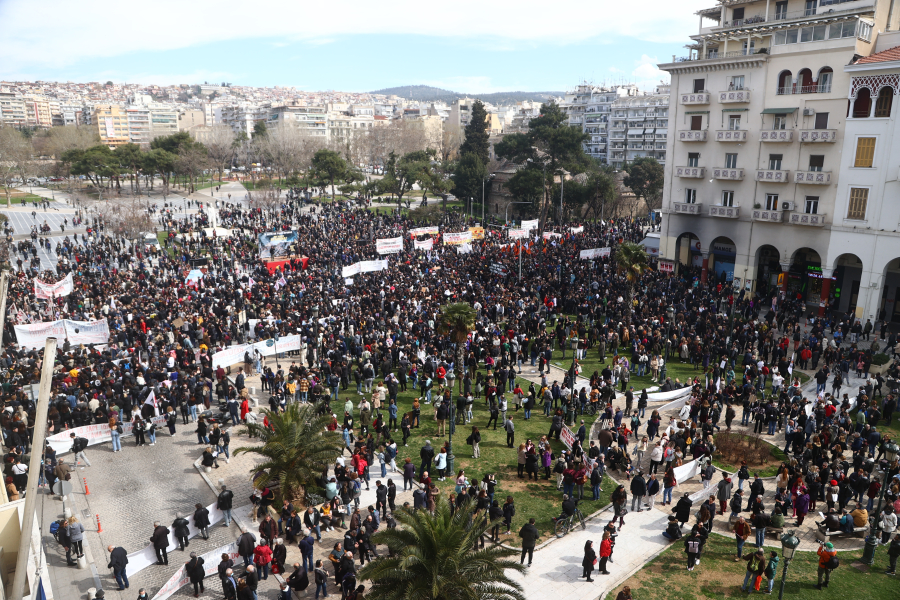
(570, 414)
(789, 543)
(451, 376)
(488, 178)
(670, 314)
(868, 557)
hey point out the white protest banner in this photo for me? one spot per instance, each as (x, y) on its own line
(576, 229)
(567, 437)
(686, 471)
(516, 234)
(529, 225)
(389, 245)
(593, 253)
(551, 234)
(368, 266)
(433, 230)
(424, 245)
(46, 291)
(140, 560)
(350, 271)
(456, 238)
(211, 562)
(87, 332)
(94, 434)
(288, 343)
(229, 356)
(36, 334)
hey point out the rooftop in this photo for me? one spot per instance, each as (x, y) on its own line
(889, 55)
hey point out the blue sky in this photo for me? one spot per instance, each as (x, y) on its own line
(351, 45)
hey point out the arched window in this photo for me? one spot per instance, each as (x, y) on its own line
(805, 82)
(884, 102)
(825, 75)
(863, 104)
(785, 83)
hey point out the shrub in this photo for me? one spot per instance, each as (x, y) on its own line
(880, 359)
(735, 447)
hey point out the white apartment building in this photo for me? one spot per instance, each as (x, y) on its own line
(639, 127)
(313, 119)
(758, 116)
(589, 107)
(12, 109)
(243, 117)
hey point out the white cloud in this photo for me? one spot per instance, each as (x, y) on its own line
(615, 70)
(646, 72)
(107, 28)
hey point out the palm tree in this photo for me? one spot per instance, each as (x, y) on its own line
(297, 447)
(456, 321)
(631, 263)
(431, 558)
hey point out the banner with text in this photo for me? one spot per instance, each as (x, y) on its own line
(517, 234)
(87, 332)
(94, 434)
(576, 229)
(529, 225)
(389, 245)
(477, 233)
(567, 437)
(433, 230)
(594, 253)
(235, 354)
(456, 238)
(36, 334)
(365, 266)
(46, 291)
(424, 245)
(211, 562)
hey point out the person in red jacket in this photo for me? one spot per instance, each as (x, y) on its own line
(262, 557)
(606, 547)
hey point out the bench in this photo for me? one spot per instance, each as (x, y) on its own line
(775, 531)
(824, 536)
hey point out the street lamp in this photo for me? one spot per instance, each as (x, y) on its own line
(789, 543)
(571, 412)
(670, 314)
(890, 452)
(488, 178)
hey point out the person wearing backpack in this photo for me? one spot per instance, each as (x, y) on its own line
(78, 446)
(828, 562)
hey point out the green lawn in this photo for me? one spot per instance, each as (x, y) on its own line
(22, 198)
(540, 499)
(718, 576)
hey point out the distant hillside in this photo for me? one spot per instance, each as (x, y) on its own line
(425, 93)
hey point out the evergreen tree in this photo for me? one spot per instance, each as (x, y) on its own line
(477, 133)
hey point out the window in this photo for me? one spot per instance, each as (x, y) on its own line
(737, 83)
(694, 159)
(731, 161)
(816, 162)
(696, 122)
(785, 83)
(699, 85)
(690, 196)
(862, 106)
(884, 102)
(865, 152)
(825, 76)
(810, 7)
(734, 122)
(812, 205)
(775, 162)
(727, 198)
(780, 122)
(864, 31)
(772, 202)
(781, 10)
(859, 198)
(821, 120)
(752, 47)
(737, 14)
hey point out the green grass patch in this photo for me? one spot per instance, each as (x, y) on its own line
(766, 467)
(718, 576)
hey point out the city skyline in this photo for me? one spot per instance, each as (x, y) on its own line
(502, 50)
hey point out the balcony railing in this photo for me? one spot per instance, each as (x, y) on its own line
(695, 98)
(814, 136)
(690, 172)
(769, 216)
(692, 136)
(782, 16)
(713, 55)
(729, 174)
(776, 135)
(729, 212)
(772, 176)
(807, 219)
(731, 135)
(813, 177)
(734, 96)
(685, 208)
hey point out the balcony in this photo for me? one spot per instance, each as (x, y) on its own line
(728, 212)
(807, 219)
(731, 135)
(772, 176)
(728, 174)
(813, 177)
(692, 136)
(684, 208)
(734, 96)
(695, 98)
(768, 216)
(690, 172)
(776, 135)
(818, 136)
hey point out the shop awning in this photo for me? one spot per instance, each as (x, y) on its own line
(651, 244)
(779, 111)
(697, 112)
(735, 109)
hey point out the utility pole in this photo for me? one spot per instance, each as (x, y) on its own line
(34, 467)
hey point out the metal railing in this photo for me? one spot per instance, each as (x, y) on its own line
(819, 88)
(713, 55)
(783, 16)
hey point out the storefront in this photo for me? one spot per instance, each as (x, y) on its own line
(721, 259)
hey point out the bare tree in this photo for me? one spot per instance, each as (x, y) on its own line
(126, 217)
(15, 159)
(70, 137)
(451, 140)
(220, 147)
(192, 161)
(286, 149)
